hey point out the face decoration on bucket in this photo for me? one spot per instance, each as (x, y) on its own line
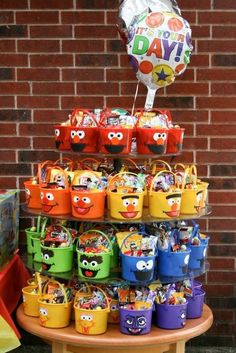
(114, 312)
(90, 265)
(199, 200)
(77, 140)
(183, 317)
(185, 266)
(130, 204)
(158, 145)
(82, 205)
(143, 270)
(27, 196)
(43, 316)
(173, 205)
(86, 322)
(135, 324)
(61, 139)
(114, 142)
(47, 259)
(47, 201)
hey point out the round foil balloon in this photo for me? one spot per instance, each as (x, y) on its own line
(159, 46)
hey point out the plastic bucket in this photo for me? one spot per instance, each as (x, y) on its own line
(195, 304)
(55, 201)
(175, 140)
(118, 205)
(198, 255)
(83, 139)
(32, 195)
(173, 264)
(191, 201)
(57, 259)
(92, 322)
(30, 301)
(135, 322)
(29, 234)
(170, 317)
(54, 315)
(114, 314)
(62, 137)
(151, 140)
(36, 248)
(92, 265)
(115, 140)
(88, 204)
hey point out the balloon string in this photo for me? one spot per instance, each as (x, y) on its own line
(135, 97)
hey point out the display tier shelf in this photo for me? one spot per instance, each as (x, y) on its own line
(67, 340)
(146, 218)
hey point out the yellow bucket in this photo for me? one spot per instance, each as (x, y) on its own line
(92, 322)
(54, 315)
(30, 300)
(124, 203)
(164, 204)
(193, 199)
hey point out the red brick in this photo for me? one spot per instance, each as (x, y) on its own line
(216, 74)
(75, 17)
(6, 16)
(217, 197)
(38, 46)
(94, 4)
(221, 17)
(199, 60)
(199, 31)
(219, 130)
(190, 16)
(13, 60)
(215, 102)
(37, 102)
(186, 158)
(14, 88)
(223, 315)
(179, 116)
(222, 276)
(7, 129)
(7, 157)
(15, 143)
(222, 144)
(7, 101)
(13, 4)
(214, 157)
(43, 142)
(223, 117)
(187, 88)
(106, 88)
(216, 46)
(54, 116)
(195, 143)
(86, 101)
(223, 329)
(224, 60)
(8, 183)
(219, 211)
(41, 130)
(194, 4)
(223, 32)
(221, 290)
(223, 237)
(38, 74)
(103, 60)
(59, 31)
(224, 4)
(7, 46)
(37, 17)
(120, 75)
(51, 4)
(224, 89)
(96, 32)
(222, 224)
(51, 60)
(83, 46)
(83, 75)
(53, 88)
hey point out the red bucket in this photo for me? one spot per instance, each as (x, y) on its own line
(32, 194)
(62, 134)
(175, 140)
(83, 139)
(151, 140)
(115, 140)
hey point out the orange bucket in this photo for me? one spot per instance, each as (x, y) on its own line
(32, 194)
(88, 203)
(56, 201)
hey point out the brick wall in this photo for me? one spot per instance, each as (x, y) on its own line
(61, 54)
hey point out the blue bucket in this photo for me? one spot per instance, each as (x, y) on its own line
(198, 252)
(195, 304)
(137, 268)
(173, 264)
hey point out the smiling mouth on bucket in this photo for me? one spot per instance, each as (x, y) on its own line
(89, 273)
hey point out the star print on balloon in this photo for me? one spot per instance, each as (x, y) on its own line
(158, 42)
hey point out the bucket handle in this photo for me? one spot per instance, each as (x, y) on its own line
(41, 167)
(190, 172)
(90, 159)
(154, 164)
(98, 288)
(159, 173)
(60, 286)
(71, 164)
(64, 174)
(95, 231)
(119, 175)
(133, 233)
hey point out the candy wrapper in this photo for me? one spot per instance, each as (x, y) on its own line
(158, 42)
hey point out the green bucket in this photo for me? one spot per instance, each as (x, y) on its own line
(35, 239)
(93, 265)
(56, 260)
(30, 233)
